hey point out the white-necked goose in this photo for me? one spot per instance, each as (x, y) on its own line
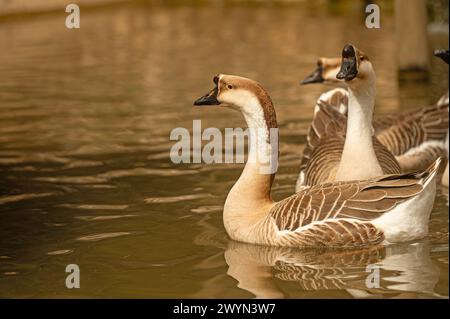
(389, 208)
(416, 138)
(344, 148)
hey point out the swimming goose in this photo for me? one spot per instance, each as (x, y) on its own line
(389, 208)
(416, 138)
(343, 148)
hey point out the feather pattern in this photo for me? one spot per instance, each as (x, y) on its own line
(413, 128)
(339, 214)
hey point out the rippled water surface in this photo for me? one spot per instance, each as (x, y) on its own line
(85, 173)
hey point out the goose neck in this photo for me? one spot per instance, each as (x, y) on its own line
(358, 159)
(249, 199)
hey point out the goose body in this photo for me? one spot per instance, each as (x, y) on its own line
(344, 147)
(415, 138)
(389, 208)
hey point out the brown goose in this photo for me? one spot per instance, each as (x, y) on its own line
(416, 138)
(389, 208)
(344, 148)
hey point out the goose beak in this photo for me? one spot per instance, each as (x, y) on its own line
(208, 99)
(349, 65)
(315, 77)
(443, 54)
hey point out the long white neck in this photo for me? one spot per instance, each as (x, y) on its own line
(358, 159)
(249, 199)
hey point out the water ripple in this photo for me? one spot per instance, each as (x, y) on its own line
(207, 209)
(60, 252)
(105, 217)
(102, 236)
(174, 199)
(17, 198)
(105, 177)
(95, 206)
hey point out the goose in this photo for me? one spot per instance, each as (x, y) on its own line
(343, 148)
(416, 138)
(385, 209)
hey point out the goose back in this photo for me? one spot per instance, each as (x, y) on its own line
(340, 214)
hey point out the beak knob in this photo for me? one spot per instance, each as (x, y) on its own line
(349, 64)
(208, 99)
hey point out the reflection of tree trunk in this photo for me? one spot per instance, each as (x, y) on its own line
(411, 28)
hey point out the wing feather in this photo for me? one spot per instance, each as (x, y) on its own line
(354, 201)
(414, 128)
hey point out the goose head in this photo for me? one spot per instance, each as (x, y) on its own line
(355, 66)
(325, 72)
(244, 95)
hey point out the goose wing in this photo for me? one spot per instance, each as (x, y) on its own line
(325, 141)
(414, 129)
(340, 213)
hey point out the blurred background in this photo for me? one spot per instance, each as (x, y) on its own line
(85, 118)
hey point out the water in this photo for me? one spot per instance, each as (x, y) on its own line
(85, 174)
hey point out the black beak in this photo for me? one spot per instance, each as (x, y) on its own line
(443, 54)
(208, 99)
(349, 65)
(315, 77)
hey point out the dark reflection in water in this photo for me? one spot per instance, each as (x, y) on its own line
(85, 173)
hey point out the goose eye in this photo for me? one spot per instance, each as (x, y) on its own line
(229, 86)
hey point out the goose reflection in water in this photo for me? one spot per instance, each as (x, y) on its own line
(403, 269)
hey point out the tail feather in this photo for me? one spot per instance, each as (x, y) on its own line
(430, 173)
